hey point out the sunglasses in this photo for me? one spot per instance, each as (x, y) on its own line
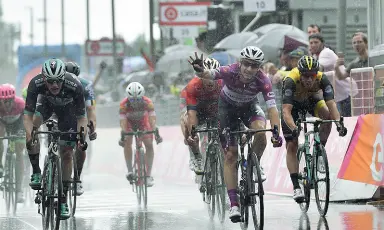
(51, 81)
(253, 65)
(7, 101)
(309, 74)
(135, 100)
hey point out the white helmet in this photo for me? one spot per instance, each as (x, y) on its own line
(135, 90)
(211, 63)
(252, 53)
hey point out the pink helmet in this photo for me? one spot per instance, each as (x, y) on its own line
(7, 91)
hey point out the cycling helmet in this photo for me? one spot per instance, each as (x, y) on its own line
(252, 53)
(308, 64)
(72, 67)
(135, 90)
(7, 91)
(54, 69)
(211, 63)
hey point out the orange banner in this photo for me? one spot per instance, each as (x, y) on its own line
(364, 161)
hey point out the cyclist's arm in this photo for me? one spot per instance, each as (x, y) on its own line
(269, 98)
(80, 109)
(123, 116)
(329, 95)
(289, 89)
(151, 114)
(30, 107)
(215, 74)
(91, 105)
(191, 102)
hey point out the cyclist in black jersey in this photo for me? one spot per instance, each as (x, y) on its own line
(60, 93)
(90, 102)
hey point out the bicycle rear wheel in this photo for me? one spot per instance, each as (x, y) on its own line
(10, 184)
(303, 179)
(255, 191)
(321, 174)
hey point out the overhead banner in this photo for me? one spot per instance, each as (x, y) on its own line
(364, 161)
(31, 58)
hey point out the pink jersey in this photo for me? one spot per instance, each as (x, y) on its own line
(15, 113)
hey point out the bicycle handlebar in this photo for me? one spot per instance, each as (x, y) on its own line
(12, 137)
(194, 130)
(274, 130)
(59, 133)
(139, 133)
(339, 124)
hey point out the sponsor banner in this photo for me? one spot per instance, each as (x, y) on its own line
(364, 161)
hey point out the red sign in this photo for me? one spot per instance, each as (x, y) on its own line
(104, 47)
(183, 13)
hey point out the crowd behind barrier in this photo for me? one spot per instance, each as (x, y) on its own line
(360, 140)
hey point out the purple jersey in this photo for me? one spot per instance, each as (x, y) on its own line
(237, 93)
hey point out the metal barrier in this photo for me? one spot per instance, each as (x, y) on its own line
(379, 88)
(363, 102)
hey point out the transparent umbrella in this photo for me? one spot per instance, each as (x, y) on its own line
(235, 41)
(177, 61)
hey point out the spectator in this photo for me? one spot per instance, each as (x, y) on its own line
(327, 58)
(360, 45)
(315, 29)
(291, 62)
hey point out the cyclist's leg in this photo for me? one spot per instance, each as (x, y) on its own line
(321, 110)
(2, 133)
(128, 150)
(183, 125)
(291, 158)
(148, 143)
(67, 123)
(254, 118)
(43, 112)
(228, 119)
(17, 129)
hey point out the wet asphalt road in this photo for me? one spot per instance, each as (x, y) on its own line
(109, 203)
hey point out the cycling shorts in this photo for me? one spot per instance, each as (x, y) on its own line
(142, 125)
(15, 129)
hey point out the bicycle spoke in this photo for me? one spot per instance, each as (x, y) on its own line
(303, 179)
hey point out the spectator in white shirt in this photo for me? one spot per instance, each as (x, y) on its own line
(327, 59)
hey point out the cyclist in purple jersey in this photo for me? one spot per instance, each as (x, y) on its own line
(242, 81)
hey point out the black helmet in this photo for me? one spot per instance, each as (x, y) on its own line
(72, 67)
(308, 64)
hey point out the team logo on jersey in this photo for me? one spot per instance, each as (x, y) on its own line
(225, 69)
(267, 86)
(328, 89)
(288, 92)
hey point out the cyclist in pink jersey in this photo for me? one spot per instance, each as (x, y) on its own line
(11, 123)
(242, 81)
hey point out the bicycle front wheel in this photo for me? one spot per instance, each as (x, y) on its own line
(72, 186)
(208, 183)
(10, 184)
(304, 181)
(143, 177)
(321, 176)
(220, 186)
(57, 193)
(255, 191)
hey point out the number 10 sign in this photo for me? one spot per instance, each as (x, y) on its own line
(259, 5)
